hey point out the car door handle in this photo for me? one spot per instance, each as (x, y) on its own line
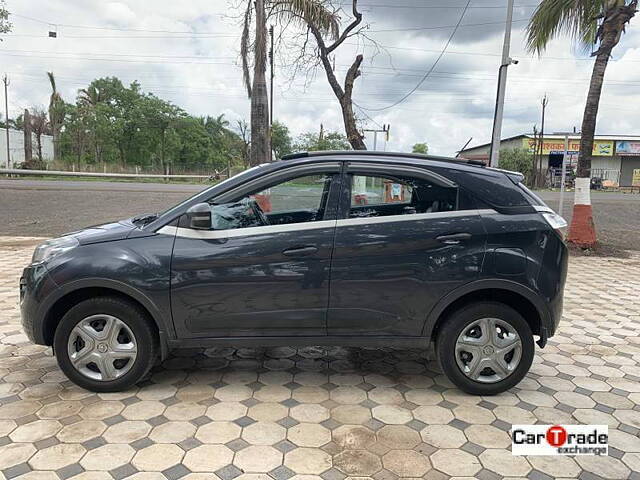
(300, 251)
(454, 239)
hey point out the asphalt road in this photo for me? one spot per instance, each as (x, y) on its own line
(47, 208)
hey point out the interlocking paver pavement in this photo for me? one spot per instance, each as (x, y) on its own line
(326, 413)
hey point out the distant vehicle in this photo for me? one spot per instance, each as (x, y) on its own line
(326, 248)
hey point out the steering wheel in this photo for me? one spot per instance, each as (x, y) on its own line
(257, 211)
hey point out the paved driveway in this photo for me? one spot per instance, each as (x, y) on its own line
(328, 413)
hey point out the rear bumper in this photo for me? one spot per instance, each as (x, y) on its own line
(35, 285)
(552, 279)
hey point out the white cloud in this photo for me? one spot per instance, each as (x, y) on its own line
(200, 72)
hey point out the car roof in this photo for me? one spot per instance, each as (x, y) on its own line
(397, 158)
(369, 155)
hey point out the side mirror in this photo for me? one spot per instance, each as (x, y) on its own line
(199, 217)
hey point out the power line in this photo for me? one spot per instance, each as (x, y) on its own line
(422, 80)
(119, 29)
(196, 34)
(438, 27)
(392, 72)
(456, 7)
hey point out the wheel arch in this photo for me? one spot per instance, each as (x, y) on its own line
(57, 307)
(520, 298)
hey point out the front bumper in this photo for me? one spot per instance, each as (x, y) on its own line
(35, 285)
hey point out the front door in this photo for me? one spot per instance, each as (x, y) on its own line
(264, 267)
(402, 242)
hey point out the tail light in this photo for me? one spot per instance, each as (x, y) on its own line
(556, 222)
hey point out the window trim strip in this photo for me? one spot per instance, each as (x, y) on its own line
(295, 227)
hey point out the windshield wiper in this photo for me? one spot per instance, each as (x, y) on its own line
(144, 218)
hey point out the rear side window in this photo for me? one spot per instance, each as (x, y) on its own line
(493, 188)
(533, 198)
(375, 196)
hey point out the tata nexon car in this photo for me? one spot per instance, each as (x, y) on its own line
(328, 248)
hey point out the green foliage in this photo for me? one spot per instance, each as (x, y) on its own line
(420, 148)
(5, 24)
(576, 18)
(281, 142)
(116, 124)
(518, 160)
(310, 142)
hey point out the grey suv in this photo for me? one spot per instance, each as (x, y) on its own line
(326, 248)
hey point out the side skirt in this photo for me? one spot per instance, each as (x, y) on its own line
(342, 341)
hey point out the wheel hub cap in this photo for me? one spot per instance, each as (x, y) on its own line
(102, 347)
(488, 350)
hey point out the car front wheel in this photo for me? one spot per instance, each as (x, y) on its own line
(105, 344)
(485, 348)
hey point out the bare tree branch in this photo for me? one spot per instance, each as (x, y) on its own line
(345, 34)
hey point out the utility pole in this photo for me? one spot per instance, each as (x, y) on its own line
(5, 80)
(385, 129)
(502, 84)
(540, 182)
(272, 75)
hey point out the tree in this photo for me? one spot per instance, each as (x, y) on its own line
(344, 93)
(311, 142)
(27, 139)
(313, 10)
(227, 146)
(245, 134)
(420, 148)
(5, 24)
(56, 115)
(280, 139)
(161, 115)
(597, 24)
(518, 160)
(39, 126)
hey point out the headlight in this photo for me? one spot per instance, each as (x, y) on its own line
(52, 248)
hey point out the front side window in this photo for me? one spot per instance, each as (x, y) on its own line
(376, 196)
(297, 200)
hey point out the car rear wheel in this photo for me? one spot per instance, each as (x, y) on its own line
(485, 348)
(105, 344)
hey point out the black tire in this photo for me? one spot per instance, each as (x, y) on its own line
(454, 325)
(134, 318)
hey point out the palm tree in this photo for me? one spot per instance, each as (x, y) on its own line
(40, 126)
(56, 115)
(295, 10)
(90, 97)
(597, 25)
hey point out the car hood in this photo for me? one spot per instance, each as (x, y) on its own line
(104, 233)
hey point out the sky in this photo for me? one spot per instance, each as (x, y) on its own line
(188, 52)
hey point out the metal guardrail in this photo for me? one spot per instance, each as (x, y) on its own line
(20, 171)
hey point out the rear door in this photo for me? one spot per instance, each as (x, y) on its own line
(405, 237)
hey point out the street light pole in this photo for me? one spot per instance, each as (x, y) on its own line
(502, 84)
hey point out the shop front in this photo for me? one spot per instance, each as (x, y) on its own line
(629, 153)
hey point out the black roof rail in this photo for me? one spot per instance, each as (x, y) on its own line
(293, 156)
